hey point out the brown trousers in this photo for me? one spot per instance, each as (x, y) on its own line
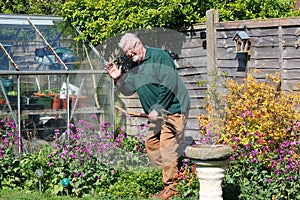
(162, 143)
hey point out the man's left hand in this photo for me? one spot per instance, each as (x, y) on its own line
(153, 115)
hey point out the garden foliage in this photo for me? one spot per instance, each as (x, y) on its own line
(98, 162)
(94, 160)
(37, 7)
(261, 123)
(260, 113)
(100, 20)
(232, 10)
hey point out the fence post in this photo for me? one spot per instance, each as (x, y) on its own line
(213, 84)
(212, 17)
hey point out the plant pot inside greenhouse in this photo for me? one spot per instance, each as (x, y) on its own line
(56, 103)
(45, 101)
(81, 101)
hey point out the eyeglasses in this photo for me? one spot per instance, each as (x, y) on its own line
(131, 49)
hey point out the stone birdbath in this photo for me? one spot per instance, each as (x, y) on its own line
(211, 162)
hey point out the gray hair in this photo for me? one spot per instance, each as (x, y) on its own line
(128, 38)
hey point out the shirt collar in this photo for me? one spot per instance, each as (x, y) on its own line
(147, 54)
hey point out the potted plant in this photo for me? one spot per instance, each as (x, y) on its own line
(79, 101)
(12, 97)
(45, 97)
(56, 102)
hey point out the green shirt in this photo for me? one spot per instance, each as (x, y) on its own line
(157, 83)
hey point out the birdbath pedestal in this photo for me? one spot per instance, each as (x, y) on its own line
(211, 162)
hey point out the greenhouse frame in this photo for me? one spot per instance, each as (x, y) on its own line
(43, 61)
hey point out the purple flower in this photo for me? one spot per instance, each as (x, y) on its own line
(71, 125)
(94, 117)
(62, 155)
(270, 180)
(10, 134)
(258, 133)
(72, 156)
(75, 174)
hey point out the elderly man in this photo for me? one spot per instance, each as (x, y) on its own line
(163, 97)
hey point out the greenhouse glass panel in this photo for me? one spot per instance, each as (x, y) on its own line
(42, 62)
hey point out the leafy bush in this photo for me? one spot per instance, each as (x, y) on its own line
(38, 7)
(249, 9)
(99, 20)
(98, 161)
(252, 178)
(188, 183)
(103, 19)
(16, 167)
(9, 155)
(141, 183)
(85, 156)
(262, 126)
(260, 113)
(89, 158)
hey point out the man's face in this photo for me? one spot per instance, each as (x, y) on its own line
(133, 51)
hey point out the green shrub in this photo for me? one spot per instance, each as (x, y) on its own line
(253, 179)
(139, 183)
(188, 182)
(105, 165)
(259, 114)
(262, 125)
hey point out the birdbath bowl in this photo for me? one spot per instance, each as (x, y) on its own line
(211, 162)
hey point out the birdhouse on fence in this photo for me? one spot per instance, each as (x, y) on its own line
(297, 34)
(242, 43)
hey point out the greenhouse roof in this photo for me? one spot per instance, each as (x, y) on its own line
(14, 19)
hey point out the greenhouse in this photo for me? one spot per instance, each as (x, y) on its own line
(43, 66)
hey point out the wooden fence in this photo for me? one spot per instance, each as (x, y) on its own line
(273, 45)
